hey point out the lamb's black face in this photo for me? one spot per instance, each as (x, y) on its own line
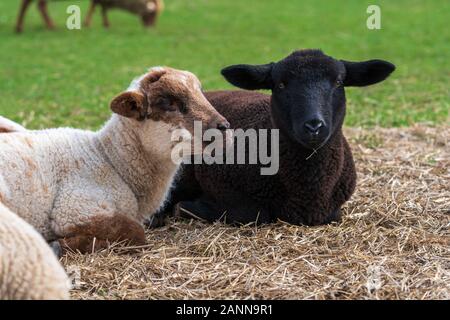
(308, 97)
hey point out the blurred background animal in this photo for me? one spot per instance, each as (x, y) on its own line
(147, 10)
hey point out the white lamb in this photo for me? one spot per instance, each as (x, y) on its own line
(28, 267)
(84, 189)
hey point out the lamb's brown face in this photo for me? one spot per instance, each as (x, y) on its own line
(175, 97)
(171, 97)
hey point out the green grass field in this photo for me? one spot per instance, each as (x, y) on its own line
(67, 78)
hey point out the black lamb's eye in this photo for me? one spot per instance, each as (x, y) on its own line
(281, 86)
(339, 83)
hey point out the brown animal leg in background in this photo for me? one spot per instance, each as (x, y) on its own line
(42, 5)
(100, 231)
(22, 11)
(88, 20)
(105, 17)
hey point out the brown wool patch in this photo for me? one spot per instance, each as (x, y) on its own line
(100, 231)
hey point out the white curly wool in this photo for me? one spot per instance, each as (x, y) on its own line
(58, 179)
(7, 125)
(28, 267)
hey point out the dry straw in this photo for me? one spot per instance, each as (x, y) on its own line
(393, 241)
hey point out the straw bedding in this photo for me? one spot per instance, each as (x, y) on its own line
(392, 243)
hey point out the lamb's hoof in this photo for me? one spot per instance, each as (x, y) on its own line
(56, 248)
(158, 220)
(335, 216)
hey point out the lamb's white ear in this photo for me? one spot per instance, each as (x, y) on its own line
(130, 104)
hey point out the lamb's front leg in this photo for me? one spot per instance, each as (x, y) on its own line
(87, 220)
(237, 212)
(101, 230)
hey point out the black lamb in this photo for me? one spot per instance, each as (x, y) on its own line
(316, 170)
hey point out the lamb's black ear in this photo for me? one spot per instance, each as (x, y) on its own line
(249, 77)
(129, 104)
(365, 73)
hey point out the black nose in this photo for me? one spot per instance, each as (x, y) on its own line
(313, 126)
(223, 125)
